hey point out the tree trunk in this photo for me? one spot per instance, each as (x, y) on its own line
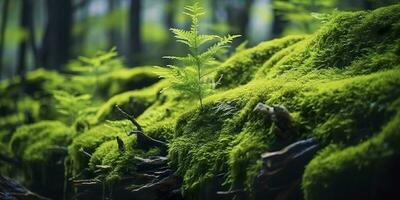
(32, 37)
(134, 39)
(3, 26)
(238, 18)
(55, 50)
(112, 32)
(279, 24)
(24, 23)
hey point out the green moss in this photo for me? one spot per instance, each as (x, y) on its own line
(127, 79)
(40, 142)
(350, 42)
(159, 119)
(134, 102)
(240, 68)
(37, 83)
(121, 162)
(89, 141)
(365, 171)
(336, 98)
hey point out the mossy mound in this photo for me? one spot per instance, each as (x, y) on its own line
(36, 100)
(41, 148)
(127, 79)
(241, 67)
(134, 102)
(86, 143)
(353, 42)
(368, 170)
(39, 142)
(121, 162)
(37, 82)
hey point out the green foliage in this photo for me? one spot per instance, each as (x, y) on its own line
(190, 79)
(74, 108)
(89, 69)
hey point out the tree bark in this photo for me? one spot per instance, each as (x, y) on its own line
(279, 24)
(238, 19)
(32, 37)
(55, 50)
(3, 26)
(134, 37)
(112, 32)
(21, 62)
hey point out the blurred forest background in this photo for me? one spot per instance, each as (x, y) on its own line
(49, 33)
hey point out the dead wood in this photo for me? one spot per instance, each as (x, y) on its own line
(144, 141)
(9, 189)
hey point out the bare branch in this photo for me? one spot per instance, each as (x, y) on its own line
(130, 117)
(143, 140)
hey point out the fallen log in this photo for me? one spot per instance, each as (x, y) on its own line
(11, 190)
(283, 169)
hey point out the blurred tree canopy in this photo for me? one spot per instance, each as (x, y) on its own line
(49, 33)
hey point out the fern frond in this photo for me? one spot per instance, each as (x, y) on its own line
(202, 39)
(221, 45)
(185, 37)
(185, 61)
(189, 78)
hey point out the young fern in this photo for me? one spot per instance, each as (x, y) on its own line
(189, 76)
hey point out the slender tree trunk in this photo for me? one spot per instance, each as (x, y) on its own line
(134, 38)
(55, 50)
(170, 13)
(21, 63)
(238, 18)
(3, 26)
(169, 23)
(112, 32)
(279, 23)
(214, 8)
(32, 37)
(79, 39)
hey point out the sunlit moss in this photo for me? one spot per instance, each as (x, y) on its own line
(134, 102)
(127, 79)
(241, 67)
(121, 162)
(86, 143)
